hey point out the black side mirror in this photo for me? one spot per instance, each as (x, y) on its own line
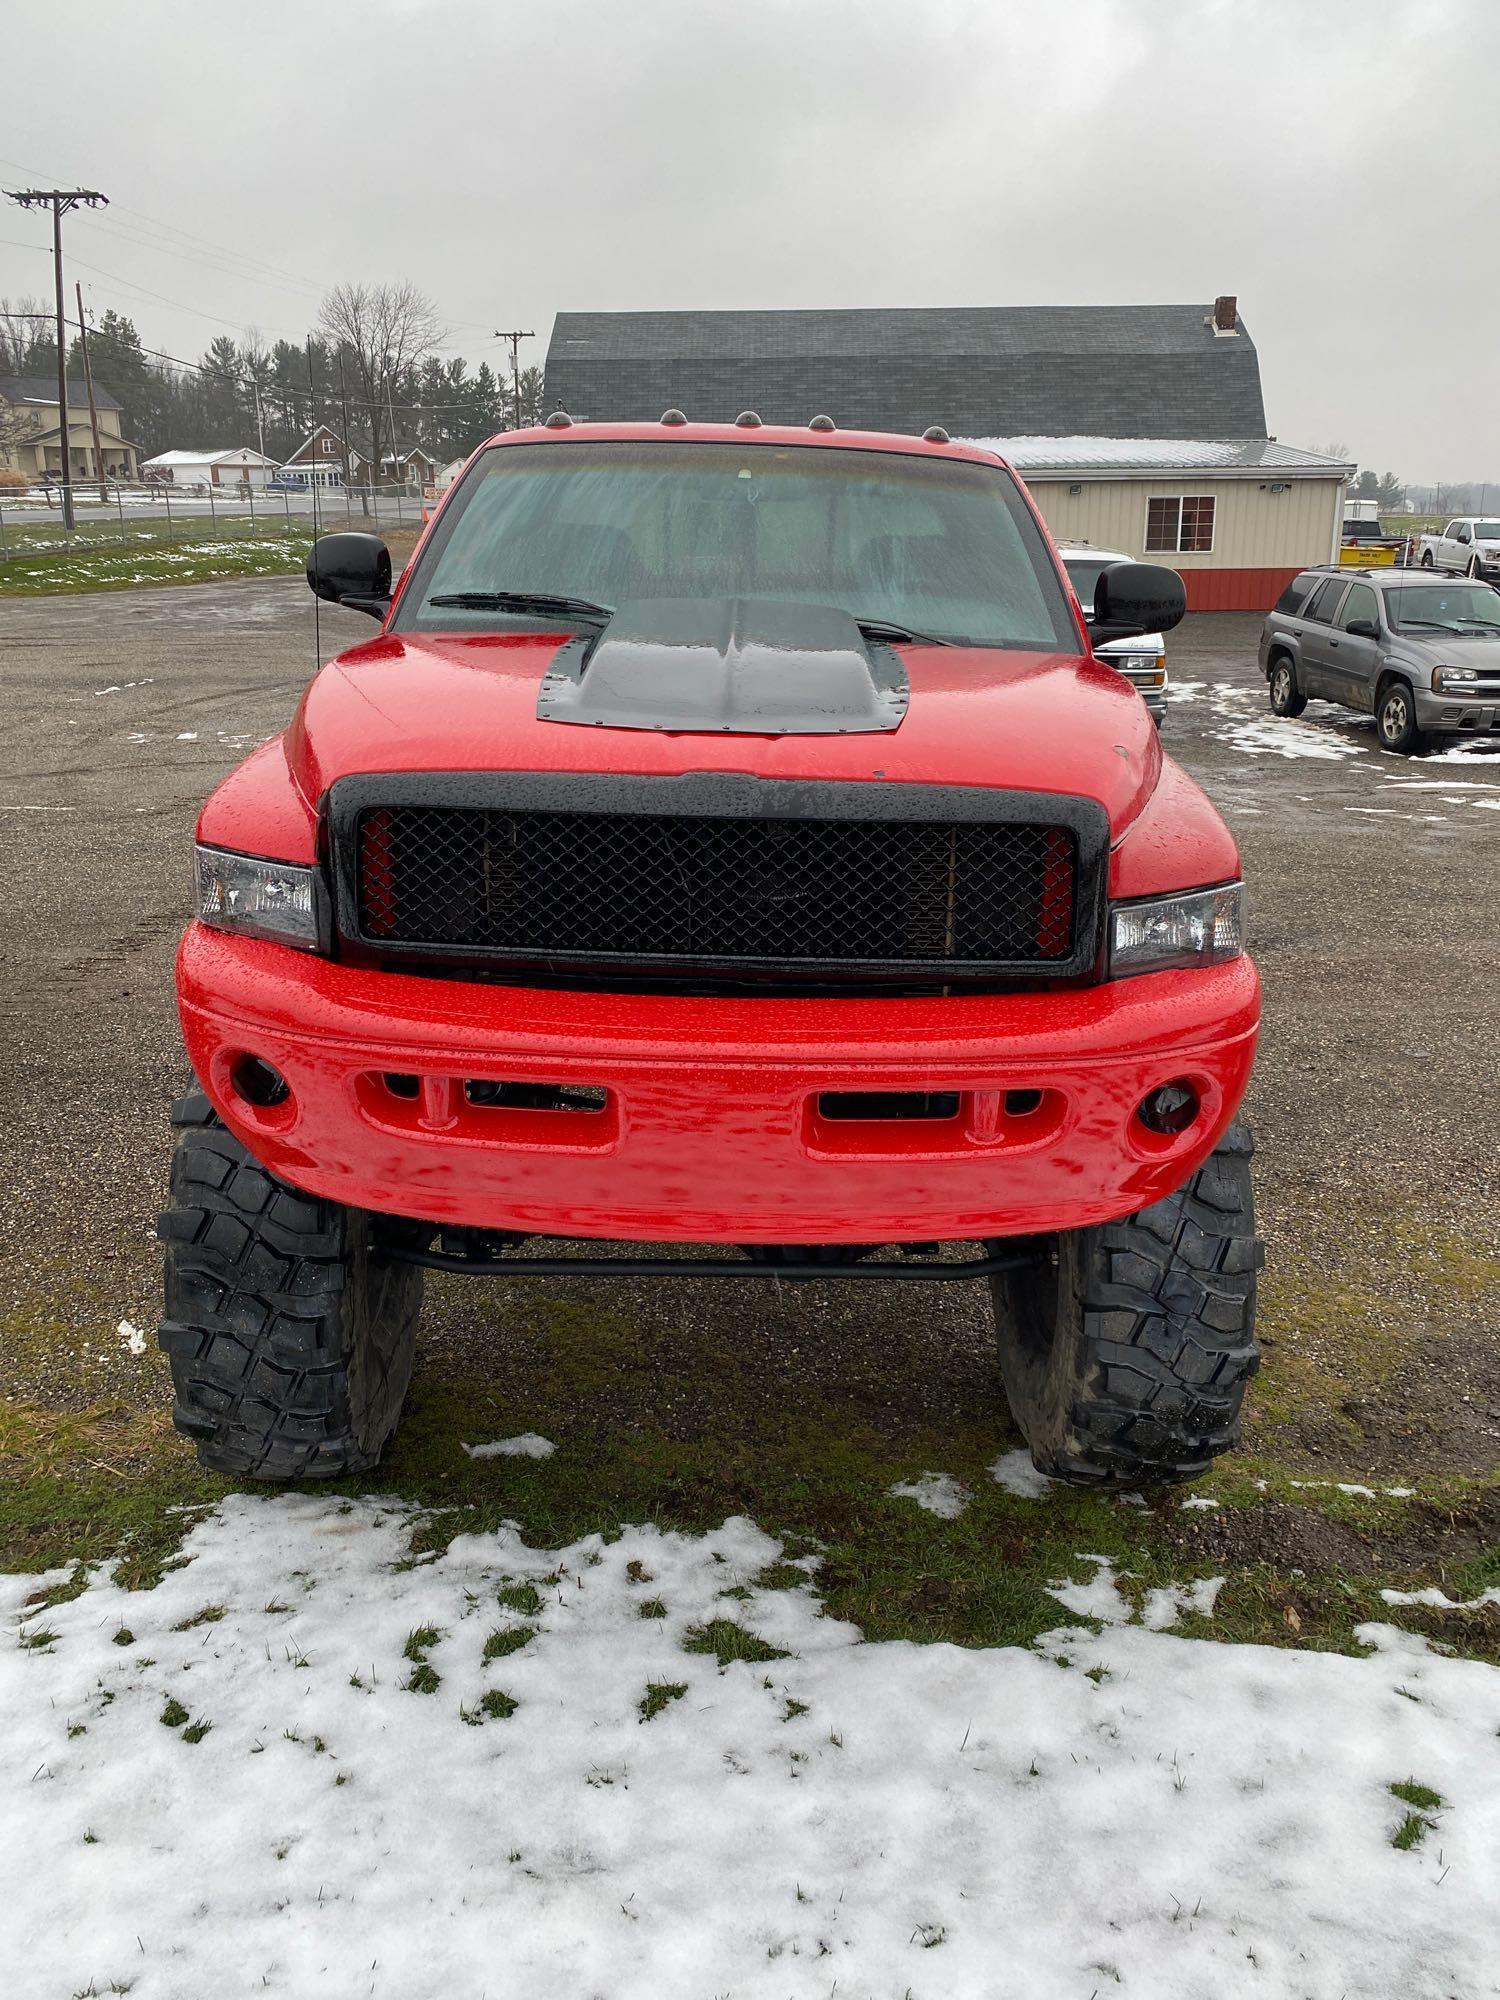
(351, 569)
(1132, 598)
(1362, 628)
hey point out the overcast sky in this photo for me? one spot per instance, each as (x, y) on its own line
(1333, 162)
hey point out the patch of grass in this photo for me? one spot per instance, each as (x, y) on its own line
(637, 1571)
(652, 1608)
(419, 1643)
(780, 1576)
(494, 1705)
(728, 1641)
(1412, 1831)
(173, 1715)
(423, 1680)
(215, 553)
(498, 1644)
(40, 1640)
(522, 1597)
(196, 1731)
(1423, 1797)
(124, 1637)
(73, 1585)
(209, 1615)
(658, 1695)
(794, 1708)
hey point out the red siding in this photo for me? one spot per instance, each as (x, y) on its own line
(1236, 589)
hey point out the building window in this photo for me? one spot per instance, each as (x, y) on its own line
(1180, 527)
(329, 445)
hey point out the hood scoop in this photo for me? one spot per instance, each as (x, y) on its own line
(727, 666)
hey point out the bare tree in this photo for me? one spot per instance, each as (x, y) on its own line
(386, 331)
(18, 426)
(21, 320)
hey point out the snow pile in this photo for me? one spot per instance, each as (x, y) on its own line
(1014, 1471)
(939, 1492)
(527, 1445)
(307, 1764)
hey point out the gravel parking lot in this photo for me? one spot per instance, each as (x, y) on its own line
(1376, 883)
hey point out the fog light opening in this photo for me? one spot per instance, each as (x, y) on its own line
(401, 1085)
(1169, 1109)
(259, 1083)
(1021, 1103)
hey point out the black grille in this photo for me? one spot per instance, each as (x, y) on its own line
(736, 891)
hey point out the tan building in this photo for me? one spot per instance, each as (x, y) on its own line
(30, 437)
(1237, 518)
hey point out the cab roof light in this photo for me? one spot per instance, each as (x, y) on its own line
(747, 420)
(822, 424)
(935, 434)
(559, 421)
(673, 417)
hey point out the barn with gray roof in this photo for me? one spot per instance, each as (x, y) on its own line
(1141, 429)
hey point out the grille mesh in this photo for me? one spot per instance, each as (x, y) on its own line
(742, 891)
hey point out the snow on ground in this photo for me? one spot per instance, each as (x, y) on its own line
(1014, 1471)
(939, 1492)
(236, 1783)
(527, 1445)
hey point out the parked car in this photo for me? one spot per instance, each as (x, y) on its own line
(1470, 544)
(1419, 652)
(1142, 661)
(730, 841)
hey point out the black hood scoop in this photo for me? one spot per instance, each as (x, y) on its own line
(727, 665)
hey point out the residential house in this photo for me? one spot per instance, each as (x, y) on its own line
(326, 459)
(37, 451)
(1136, 428)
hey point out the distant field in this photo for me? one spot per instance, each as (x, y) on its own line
(151, 557)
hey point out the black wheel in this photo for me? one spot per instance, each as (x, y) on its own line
(1126, 1350)
(1396, 720)
(1287, 697)
(1427, 558)
(290, 1335)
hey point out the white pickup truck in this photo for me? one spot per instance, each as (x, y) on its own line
(1470, 544)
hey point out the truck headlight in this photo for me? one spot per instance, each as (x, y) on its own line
(1444, 678)
(1201, 927)
(269, 899)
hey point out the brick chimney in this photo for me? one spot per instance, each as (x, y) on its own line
(1225, 308)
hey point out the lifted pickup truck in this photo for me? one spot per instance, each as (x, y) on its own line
(1470, 544)
(729, 838)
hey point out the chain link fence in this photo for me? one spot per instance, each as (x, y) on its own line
(115, 515)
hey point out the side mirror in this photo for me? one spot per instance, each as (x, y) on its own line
(354, 570)
(1132, 598)
(1362, 628)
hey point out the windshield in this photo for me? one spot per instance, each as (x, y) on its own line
(1458, 607)
(1487, 531)
(1085, 572)
(939, 546)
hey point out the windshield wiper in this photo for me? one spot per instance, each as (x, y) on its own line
(885, 628)
(521, 600)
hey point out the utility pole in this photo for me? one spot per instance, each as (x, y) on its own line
(515, 340)
(60, 200)
(88, 383)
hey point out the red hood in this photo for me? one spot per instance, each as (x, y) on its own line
(1039, 722)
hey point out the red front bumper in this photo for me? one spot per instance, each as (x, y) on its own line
(710, 1127)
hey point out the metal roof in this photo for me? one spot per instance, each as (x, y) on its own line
(983, 371)
(1092, 456)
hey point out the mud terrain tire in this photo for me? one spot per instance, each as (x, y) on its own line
(290, 1335)
(1126, 1351)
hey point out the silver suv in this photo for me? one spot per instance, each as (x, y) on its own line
(1420, 652)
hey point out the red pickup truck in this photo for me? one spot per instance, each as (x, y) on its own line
(728, 838)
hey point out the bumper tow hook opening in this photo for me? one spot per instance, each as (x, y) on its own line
(259, 1083)
(1169, 1109)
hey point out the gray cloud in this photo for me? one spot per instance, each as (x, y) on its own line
(1331, 161)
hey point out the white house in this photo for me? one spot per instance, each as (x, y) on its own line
(233, 470)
